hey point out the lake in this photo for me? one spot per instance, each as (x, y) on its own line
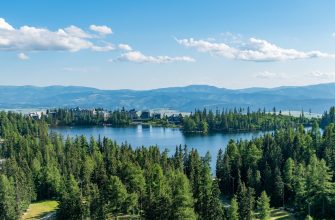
(164, 138)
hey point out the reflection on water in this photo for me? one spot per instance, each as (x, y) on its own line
(165, 138)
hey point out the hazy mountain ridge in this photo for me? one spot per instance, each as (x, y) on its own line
(318, 98)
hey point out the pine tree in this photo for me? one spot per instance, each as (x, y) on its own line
(278, 189)
(288, 176)
(234, 210)
(216, 211)
(246, 200)
(263, 205)
(7, 199)
(115, 195)
(220, 168)
(71, 204)
(157, 201)
(205, 186)
(182, 206)
(319, 185)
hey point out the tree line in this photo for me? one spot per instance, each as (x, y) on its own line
(328, 117)
(238, 120)
(79, 117)
(204, 121)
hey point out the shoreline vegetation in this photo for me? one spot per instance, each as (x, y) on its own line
(197, 122)
(291, 169)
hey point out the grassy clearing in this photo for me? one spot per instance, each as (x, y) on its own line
(278, 214)
(41, 209)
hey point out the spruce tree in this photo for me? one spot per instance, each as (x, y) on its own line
(7, 199)
(263, 204)
(182, 206)
(234, 210)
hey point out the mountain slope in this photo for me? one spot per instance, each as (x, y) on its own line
(318, 98)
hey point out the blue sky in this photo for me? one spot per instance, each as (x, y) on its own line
(151, 44)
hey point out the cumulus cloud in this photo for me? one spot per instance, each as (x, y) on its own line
(22, 56)
(27, 38)
(5, 26)
(77, 32)
(103, 30)
(138, 57)
(251, 50)
(72, 39)
(125, 47)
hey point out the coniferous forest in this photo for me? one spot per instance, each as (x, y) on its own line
(234, 120)
(200, 121)
(100, 179)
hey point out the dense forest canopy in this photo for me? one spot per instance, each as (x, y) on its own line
(99, 179)
(328, 117)
(86, 117)
(240, 121)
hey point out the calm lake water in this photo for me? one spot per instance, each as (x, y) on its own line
(164, 138)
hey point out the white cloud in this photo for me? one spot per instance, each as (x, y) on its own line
(27, 38)
(125, 47)
(319, 74)
(270, 75)
(4, 25)
(22, 56)
(103, 30)
(77, 32)
(72, 39)
(107, 47)
(138, 57)
(252, 50)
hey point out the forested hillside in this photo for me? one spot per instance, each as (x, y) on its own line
(294, 167)
(316, 98)
(100, 179)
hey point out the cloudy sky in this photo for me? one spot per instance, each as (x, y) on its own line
(150, 44)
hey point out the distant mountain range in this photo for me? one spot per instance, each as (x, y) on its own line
(316, 98)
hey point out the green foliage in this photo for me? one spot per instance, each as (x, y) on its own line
(320, 190)
(246, 200)
(71, 203)
(83, 117)
(308, 217)
(238, 121)
(7, 199)
(100, 179)
(294, 167)
(183, 205)
(328, 117)
(115, 196)
(263, 204)
(233, 210)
